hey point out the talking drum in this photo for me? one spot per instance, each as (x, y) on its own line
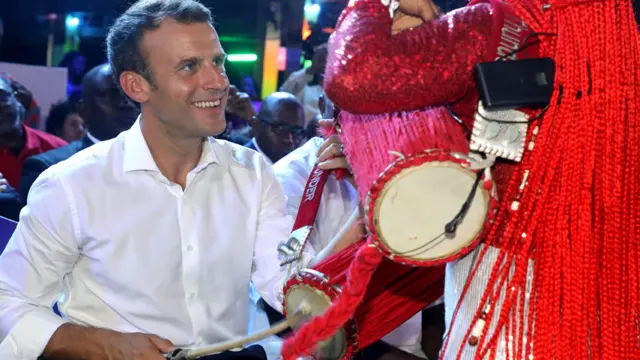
(395, 294)
(427, 200)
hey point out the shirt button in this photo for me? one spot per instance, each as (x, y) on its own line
(192, 295)
(189, 248)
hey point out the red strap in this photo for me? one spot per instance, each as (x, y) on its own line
(311, 196)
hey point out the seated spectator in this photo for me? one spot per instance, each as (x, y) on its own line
(17, 141)
(64, 122)
(107, 112)
(25, 97)
(76, 65)
(278, 127)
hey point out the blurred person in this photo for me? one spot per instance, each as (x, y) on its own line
(18, 141)
(64, 122)
(278, 126)
(107, 112)
(238, 112)
(28, 101)
(76, 65)
(249, 87)
(306, 84)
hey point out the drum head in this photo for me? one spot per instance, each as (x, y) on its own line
(416, 204)
(319, 302)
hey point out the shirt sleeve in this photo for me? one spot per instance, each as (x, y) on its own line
(40, 253)
(295, 83)
(274, 226)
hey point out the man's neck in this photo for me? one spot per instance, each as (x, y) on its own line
(174, 156)
(15, 139)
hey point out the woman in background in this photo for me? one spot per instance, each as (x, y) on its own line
(64, 122)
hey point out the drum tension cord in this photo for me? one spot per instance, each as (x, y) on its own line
(452, 225)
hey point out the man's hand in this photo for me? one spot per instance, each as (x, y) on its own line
(137, 346)
(330, 155)
(402, 21)
(4, 184)
(412, 13)
(77, 342)
(423, 9)
(239, 104)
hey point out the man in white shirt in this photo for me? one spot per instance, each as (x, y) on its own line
(306, 84)
(152, 237)
(338, 205)
(277, 126)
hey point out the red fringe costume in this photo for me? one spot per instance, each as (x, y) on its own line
(557, 275)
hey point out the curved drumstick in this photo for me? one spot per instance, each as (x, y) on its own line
(194, 353)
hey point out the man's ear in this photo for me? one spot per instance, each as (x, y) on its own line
(135, 86)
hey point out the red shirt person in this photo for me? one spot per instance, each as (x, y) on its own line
(17, 141)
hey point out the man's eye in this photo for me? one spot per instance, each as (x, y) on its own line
(188, 67)
(218, 62)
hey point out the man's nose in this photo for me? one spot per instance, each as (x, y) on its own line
(288, 139)
(215, 79)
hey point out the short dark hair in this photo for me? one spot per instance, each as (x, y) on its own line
(57, 115)
(125, 35)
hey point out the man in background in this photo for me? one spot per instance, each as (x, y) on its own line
(18, 141)
(306, 84)
(106, 112)
(278, 127)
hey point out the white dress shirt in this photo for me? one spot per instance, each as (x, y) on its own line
(131, 251)
(338, 203)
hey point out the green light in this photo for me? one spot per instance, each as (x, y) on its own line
(242, 57)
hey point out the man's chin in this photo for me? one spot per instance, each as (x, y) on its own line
(215, 129)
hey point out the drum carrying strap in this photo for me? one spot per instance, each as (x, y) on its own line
(303, 226)
(292, 249)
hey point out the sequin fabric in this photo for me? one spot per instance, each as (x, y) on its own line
(369, 70)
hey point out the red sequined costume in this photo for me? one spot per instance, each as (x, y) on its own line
(561, 257)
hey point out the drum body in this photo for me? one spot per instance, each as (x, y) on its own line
(391, 299)
(415, 176)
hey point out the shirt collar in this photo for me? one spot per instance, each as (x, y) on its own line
(137, 155)
(255, 143)
(32, 141)
(94, 139)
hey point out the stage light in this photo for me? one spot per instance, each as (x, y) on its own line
(242, 57)
(72, 22)
(312, 9)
